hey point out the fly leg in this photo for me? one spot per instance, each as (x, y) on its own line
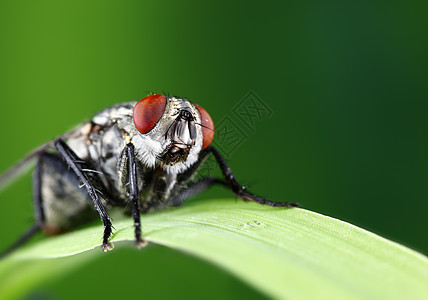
(194, 189)
(128, 156)
(240, 190)
(204, 183)
(22, 239)
(73, 161)
(59, 204)
(182, 192)
(39, 214)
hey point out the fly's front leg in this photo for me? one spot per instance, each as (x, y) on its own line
(128, 155)
(238, 189)
(73, 162)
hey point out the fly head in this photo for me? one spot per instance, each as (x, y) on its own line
(171, 132)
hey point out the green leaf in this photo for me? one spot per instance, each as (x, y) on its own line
(285, 253)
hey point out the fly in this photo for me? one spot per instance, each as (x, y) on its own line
(136, 155)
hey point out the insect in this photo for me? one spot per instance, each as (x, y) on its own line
(136, 155)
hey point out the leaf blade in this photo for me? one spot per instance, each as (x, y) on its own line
(285, 253)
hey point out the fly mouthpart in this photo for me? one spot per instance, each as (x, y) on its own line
(178, 146)
(174, 153)
(174, 149)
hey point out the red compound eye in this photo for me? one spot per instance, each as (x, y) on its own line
(148, 111)
(207, 126)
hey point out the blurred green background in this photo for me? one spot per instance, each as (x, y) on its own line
(346, 81)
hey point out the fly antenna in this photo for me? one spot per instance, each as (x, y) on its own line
(202, 125)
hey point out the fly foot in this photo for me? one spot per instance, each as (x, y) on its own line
(141, 243)
(108, 246)
(250, 197)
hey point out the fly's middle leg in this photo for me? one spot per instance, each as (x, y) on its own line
(60, 205)
(74, 163)
(194, 189)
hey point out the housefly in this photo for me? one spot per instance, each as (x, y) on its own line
(136, 155)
